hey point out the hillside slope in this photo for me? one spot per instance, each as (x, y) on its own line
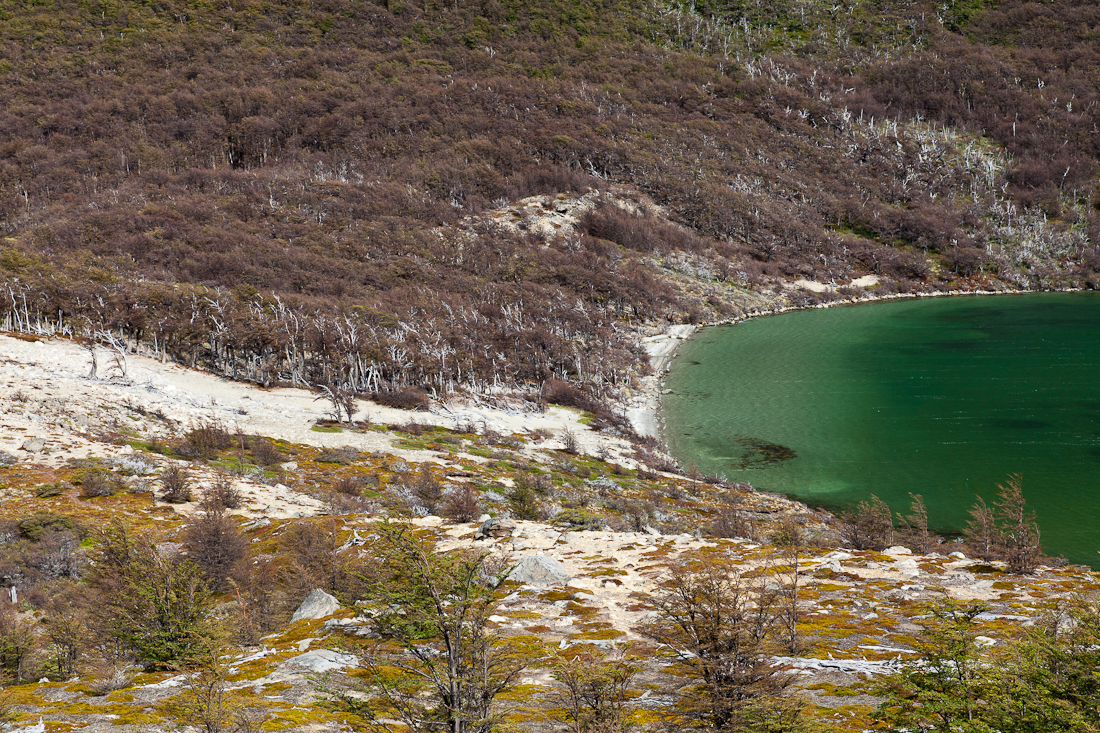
(313, 194)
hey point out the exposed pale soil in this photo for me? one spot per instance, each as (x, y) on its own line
(46, 394)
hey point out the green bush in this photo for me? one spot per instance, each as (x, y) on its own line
(579, 519)
(156, 605)
(48, 491)
(39, 524)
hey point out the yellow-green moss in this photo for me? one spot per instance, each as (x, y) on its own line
(139, 716)
(599, 634)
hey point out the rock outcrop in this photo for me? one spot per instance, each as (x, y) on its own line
(541, 571)
(495, 527)
(317, 604)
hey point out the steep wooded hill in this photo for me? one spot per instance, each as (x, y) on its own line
(312, 192)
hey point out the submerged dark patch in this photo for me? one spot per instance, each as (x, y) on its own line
(758, 453)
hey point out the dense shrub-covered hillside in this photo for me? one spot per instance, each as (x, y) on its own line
(304, 192)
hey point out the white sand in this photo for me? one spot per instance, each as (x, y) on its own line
(644, 408)
(45, 393)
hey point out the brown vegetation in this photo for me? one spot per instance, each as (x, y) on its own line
(293, 215)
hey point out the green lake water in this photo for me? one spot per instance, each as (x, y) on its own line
(941, 397)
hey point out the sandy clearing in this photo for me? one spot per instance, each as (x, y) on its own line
(56, 371)
(50, 405)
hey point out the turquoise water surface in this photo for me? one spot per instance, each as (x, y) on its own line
(943, 397)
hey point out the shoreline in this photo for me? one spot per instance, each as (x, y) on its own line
(644, 414)
(644, 410)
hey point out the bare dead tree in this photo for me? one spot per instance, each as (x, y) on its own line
(342, 401)
(90, 346)
(118, 366)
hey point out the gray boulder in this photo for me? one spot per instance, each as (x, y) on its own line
(317, 604)
(33, 445)
(541, 571)
(495, 527)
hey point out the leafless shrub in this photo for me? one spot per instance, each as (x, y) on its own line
(541, 483)
(648, 453)
(265, 453)
(175, 483)
(338, 504)
(97, 482)
(349, 485)
(412, 428)
(344, 456)
(511, 441)
(205, 439)
(221, 494)
(427, 490)
(156, 446)
(869, 525)
(463, 504)
(263, 602)
(313, 551)
(569, 442)
(850, 292)
(731, 521)
(112, 677)
(342, 504)
(639, 515)
(217, 546)
(563, 393)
